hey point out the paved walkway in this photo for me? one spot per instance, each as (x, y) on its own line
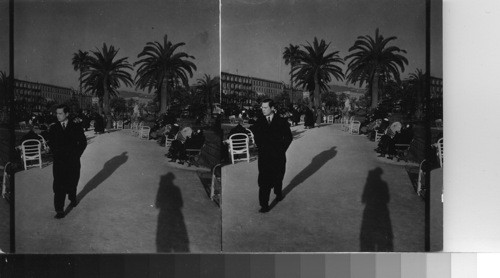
(339, 197)
(132, 200)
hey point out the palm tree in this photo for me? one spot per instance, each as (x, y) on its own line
(79, 62)
(415, 83)
(103, 75)
(290, 56)
(315, 68)
(161, 67)
(370, 59)
(208, 86)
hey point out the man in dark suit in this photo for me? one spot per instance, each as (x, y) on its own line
(67, 142)
(273, 137)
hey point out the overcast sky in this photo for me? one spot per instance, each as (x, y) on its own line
(255, 32)
(47, 33)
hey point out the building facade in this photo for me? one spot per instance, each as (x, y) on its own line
(36, 95)
(436, 95)
(246, 89)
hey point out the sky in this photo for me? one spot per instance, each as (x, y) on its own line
(48, 33)
(255, 32)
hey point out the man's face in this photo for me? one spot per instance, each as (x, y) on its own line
(266, 109)
(61, 116)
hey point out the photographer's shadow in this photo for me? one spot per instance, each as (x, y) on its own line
(376, 229)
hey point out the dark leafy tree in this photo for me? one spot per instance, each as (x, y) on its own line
(161, 69)
(290, 55)
(370, 59)
(315, 69)
(80, 63)
(104, 75)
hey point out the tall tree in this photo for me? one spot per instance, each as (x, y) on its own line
(370, 59)
(160, 66)
(208, 85)
(315, 68)
(290, 56)
(79, 62)
(104, 74)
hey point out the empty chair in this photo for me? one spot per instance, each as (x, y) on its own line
(31, 151)
(355, 125)
(238, 146)
(119, 125)
(329, 119)
(440, 151)
(144, 132)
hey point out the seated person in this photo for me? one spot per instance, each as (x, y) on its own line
(380, 127)
(30, 135)
(177, 150)
(174, 129)
(44, 131)
(238, 129)
(195, 141)
(403, 137)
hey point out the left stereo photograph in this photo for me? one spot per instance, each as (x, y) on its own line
(117, 135)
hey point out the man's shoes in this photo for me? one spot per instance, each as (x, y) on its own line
(264, 209)
(59, 215)
(74, 204)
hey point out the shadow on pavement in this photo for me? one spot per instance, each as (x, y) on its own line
(107, 170)
(376, 229)
(171, 233)
(316, 163)
(297, 134)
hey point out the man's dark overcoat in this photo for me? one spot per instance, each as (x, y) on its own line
(272, 142)
(67, 145)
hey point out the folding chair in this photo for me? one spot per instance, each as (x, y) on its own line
(144, 132)
(329, 119)
(31, 151)
(355, 125)
(440, 151)
(238, 145)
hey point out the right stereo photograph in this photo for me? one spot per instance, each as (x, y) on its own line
(332, 126)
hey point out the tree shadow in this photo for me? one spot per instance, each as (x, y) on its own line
(171, 232)
(376, 228)
(107, 170)
(316, 163)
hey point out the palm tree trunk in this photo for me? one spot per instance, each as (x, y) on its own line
(291, 85)
(80, 81)
(163, 95)
(374, 86)
(210, 102)
(106, 105)
(317, 99)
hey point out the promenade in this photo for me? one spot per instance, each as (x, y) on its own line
(339, 197)
(132, 200)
